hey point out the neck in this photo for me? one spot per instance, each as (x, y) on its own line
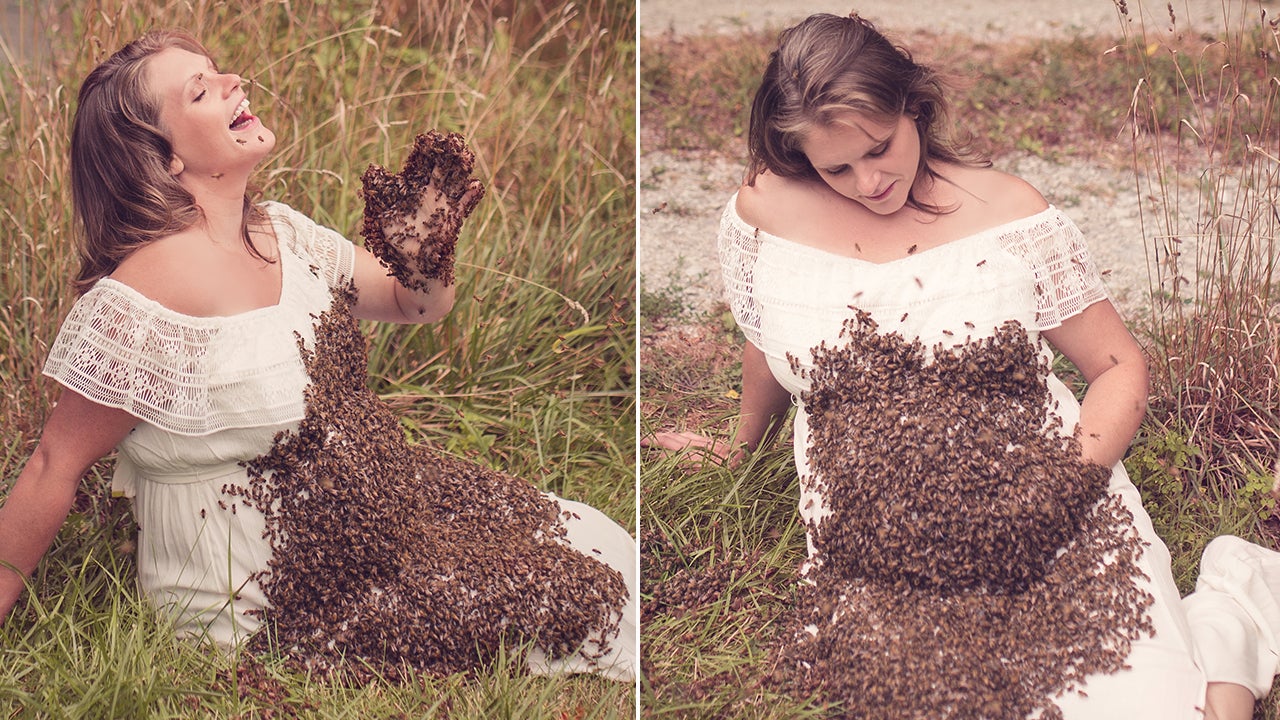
(222, 201)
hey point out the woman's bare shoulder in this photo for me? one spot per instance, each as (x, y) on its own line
(171, 271)
(1003, 196)
(773, 203)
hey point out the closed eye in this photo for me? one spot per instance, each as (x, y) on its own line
(838, 170)
(879, 150)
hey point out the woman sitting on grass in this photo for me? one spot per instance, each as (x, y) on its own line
(976, 549)
(215, 346)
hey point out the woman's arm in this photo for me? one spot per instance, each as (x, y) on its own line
(764, 401)
(77, 434)
(763, 406)
(381, 297)
(1104, 351)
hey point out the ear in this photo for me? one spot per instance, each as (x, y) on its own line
(175, 166)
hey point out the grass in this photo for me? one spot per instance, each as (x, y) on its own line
(533, 371)
(1192, 116)
(1204, 128)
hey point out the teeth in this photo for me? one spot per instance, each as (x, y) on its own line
(242, 108)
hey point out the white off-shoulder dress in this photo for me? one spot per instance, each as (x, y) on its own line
(789, 298)
(213, 392)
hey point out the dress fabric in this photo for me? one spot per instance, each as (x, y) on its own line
(789, 298)
(212, 393)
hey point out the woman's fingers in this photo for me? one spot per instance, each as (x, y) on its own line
(697, 448)
(675, 441)
(471, 198)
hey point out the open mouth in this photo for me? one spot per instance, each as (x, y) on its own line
(241, 118)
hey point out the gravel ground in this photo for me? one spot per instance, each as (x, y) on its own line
(988, 20)
(681, 198)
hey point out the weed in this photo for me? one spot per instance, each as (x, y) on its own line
(1203, 130)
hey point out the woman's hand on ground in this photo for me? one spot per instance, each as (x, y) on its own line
(696, 449)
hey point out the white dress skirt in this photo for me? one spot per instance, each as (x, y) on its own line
(214, 392)
(790, 298)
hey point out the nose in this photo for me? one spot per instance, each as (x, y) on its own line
(232, 83)
(868, 180)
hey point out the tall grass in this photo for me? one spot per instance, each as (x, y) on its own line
(1204, 131)
(531, 373)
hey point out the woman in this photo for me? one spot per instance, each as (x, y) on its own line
(215, 346)
(975, 546)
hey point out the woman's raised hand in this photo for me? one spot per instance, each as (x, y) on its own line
(412, 218)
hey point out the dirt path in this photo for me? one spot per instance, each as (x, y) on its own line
(681, 198)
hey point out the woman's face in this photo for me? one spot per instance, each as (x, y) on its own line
(865, 159)
(207, 117)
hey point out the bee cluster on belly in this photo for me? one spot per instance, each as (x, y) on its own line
(970, 563)
(387, 555)
(440, 162)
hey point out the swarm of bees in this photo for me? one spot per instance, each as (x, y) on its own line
(969, 564)
(388, 555)
(440, 163)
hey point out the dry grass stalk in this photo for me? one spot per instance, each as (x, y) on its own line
(1205, 125)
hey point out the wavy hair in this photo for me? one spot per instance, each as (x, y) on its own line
(828, 65)
(122, 191)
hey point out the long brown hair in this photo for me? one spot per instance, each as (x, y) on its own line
(123, 193)
(828, 65)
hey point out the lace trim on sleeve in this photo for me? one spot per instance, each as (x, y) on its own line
(738, 248)
(1067, 280)
(127, 352)
(328, 250)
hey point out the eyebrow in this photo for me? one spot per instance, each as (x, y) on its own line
(200, 75)
(886, 138)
